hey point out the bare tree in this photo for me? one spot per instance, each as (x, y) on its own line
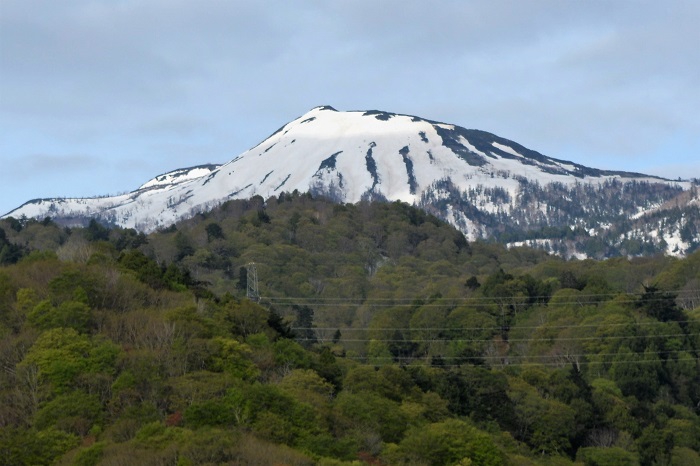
(689, 296)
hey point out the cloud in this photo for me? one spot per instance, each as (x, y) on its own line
(38, 164)
(176, 81)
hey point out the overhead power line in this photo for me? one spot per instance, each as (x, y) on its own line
(510, 340)
(500, 327)
(510, 356)
(511, 300)
(506, 362)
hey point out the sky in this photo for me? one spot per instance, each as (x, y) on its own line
(99, 96)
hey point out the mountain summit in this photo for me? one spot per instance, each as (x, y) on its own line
(483, 184)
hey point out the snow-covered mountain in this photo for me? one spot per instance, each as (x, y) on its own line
(485, 185)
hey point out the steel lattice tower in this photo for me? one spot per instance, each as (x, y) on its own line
(252, 288)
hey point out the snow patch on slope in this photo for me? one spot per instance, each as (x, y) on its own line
(179, 176)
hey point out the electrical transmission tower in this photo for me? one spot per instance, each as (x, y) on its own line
(252, 288)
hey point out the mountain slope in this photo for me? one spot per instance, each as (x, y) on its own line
(483, 184)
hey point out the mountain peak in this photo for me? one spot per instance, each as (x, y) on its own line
(324, 107)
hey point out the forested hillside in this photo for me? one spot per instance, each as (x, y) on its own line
(381, 337)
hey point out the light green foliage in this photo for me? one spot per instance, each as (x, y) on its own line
(62, 354)
(193, 387)
(69, 314)
(18, 446)
(367, 411)
(429, 408)
(242, 318)
(192, 323)
(679, 272)
(308, 387)
(447, 443)
(73, 412)
(613, 456)
(608, 399)
(229, 410)
(76, 283)
(378, 352)
(389, 381)
(279, 417)
(548, 425)
(27, 299)
(685, 432)
(470, 328)
(156, 435)
(290, 354)
(90, 456)
(682, 456)
(233, 357)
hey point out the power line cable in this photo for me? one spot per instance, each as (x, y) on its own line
(472, 298)
(511, 356)
(510, 340)
(510, 328)
(511, 300)
(507, 363)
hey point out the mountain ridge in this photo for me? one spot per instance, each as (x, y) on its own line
(476, 180)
